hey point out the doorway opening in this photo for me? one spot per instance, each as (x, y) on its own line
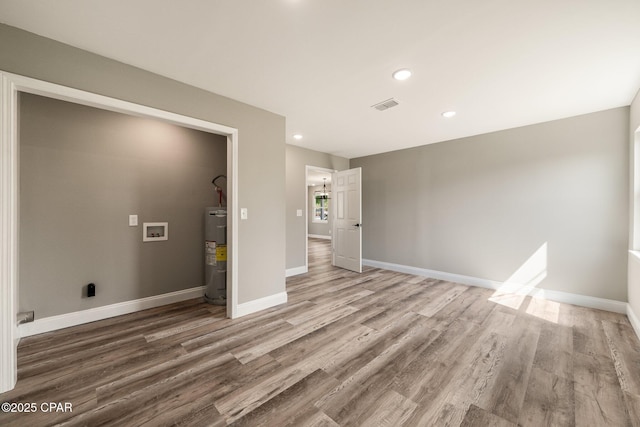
(317, 206)
(10, 89)
(319, 255)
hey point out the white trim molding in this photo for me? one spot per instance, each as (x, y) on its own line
(634, 320)
(261, 304)
(457, 278)
(295, 271)
(633, 280)
(557, 296)
(233, 213)
(61, 321)
(8, 234)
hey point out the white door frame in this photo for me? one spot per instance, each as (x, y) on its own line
(308, 168)
(10, 86)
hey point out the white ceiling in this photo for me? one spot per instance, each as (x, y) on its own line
(324, 63)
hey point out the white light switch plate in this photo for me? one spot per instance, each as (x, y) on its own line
(299, 212)
(244, 213)
(133, 220)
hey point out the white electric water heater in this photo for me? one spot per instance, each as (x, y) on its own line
(215, 255)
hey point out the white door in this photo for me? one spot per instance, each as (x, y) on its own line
(346, 187)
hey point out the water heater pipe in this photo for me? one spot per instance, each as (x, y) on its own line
(219, 189)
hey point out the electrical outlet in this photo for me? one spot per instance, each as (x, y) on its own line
(133, 220)
(244, 213)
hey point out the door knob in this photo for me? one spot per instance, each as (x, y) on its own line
(358, 225)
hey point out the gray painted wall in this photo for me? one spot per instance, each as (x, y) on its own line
(317, 228)
(261, 170)
(83, 171)
(482, 206)
(297, 159)
(633, 287)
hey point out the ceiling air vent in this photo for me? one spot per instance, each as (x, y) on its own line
(384, 105)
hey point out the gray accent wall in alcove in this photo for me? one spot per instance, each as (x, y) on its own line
(83, 171)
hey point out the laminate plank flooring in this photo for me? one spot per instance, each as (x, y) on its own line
(379, 348)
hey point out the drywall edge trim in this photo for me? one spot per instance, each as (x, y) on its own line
(259, 304)
(8, 235)
(295, 271)
(634, 320)
(557, 296)
(61, 321)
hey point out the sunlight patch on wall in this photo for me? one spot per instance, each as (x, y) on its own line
(525, 279)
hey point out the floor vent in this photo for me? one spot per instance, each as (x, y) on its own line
(385, 105)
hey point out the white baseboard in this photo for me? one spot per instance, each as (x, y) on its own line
(61, 321)
(634, 320)
(295, 271)
(261, 304)
(557, 296)
(458, 278)
(582, 300)
(320, 236)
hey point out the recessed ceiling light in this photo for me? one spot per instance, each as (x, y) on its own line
(448, 114)
(297, 136)
(402, 74)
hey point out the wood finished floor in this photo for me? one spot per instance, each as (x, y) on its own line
(378, 348)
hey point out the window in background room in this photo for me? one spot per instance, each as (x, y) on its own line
(321, 206)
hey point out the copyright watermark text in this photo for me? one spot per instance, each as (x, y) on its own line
(23, 407)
